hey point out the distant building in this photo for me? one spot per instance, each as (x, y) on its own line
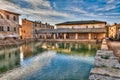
(91, 30)
(28, 28)
(82, 24)
(9, 24)
(114, 31)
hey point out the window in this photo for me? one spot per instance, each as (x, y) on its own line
(86, 26)
(14, 28)
(7, 16)
(14, 18)
(1, 17)
(8, 28)
(1, 28)
(35, 23)
(118, 29)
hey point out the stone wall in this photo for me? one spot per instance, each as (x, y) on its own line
(106, 65)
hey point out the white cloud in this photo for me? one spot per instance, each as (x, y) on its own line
(83, 12)
(36, 3)
(79, 10)
(36, 13)
(110, 1)
(110, 4)
(106, 8)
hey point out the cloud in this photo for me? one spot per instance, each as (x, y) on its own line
(83, 12)
(79, 10)
(110, 1)
(36, 13)
(54, 5)
(37, 3)
(107, 5)
(55, 11)
(106, 8)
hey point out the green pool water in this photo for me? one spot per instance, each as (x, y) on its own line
(49, 61)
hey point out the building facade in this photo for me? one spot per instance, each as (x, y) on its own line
(78, 30)
(28, 28)
(86, 28)
(114, 31)
(9, 24)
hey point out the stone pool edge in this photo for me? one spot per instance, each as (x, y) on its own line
(107, 66)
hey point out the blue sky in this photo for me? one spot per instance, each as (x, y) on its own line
(56, 11)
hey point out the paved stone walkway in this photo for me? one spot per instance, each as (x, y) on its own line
(106, 64)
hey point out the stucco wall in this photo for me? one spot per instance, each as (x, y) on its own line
(100, 25)
(5, 22)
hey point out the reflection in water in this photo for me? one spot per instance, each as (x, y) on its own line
(73, 61)
(9, 59)
(73, 48)
(21, 54)
(35, 63)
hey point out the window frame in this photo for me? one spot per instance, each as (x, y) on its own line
(8, 28)
(8, 17)
(15, 29)
(14, 18)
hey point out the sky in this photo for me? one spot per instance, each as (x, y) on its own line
(57, 11)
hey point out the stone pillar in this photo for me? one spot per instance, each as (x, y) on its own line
(76, 36)
(45, 36)
(104, 35)
(64, 35)
(54, 35)
(89, 35)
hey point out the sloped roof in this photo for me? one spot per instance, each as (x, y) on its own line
(81, 22)
(66, 30)
(117, 25)
(9, 12)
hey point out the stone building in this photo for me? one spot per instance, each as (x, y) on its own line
(9, 24)
(28, 28)
(114, 31)
(78, 30)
